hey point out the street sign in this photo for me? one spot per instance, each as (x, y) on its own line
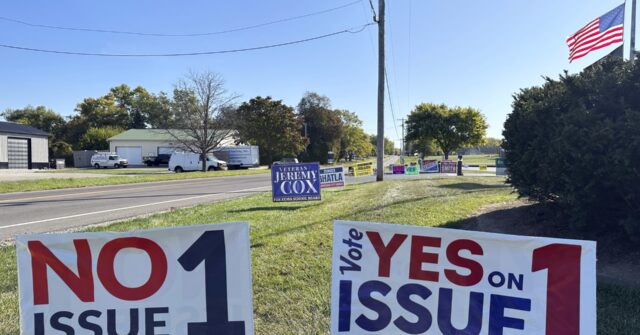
(332, 177)
(186, 280)
(395, 279)
(295, 182)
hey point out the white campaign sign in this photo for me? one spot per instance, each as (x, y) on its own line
(180, 281)
(395, 279)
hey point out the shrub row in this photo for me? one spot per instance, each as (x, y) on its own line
(575, 141)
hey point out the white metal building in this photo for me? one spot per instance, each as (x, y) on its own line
(134, 144)
(23, 147)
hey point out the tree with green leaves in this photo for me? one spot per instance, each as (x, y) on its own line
(39, 117)
(157, 110)
(144, 109)
(389, 145)
(103, 112)
(354, 141)
(271, 125)
(422, 146)
(323, 126)
(450, 128)
(47, 120)
(96, 138)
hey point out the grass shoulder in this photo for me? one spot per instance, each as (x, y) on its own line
(291, 246)
(116, 179)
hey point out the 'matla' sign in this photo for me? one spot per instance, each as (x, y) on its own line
(295, 182)
(190, 280)
(332, 177)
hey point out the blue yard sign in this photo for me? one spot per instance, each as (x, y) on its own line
(295, 182)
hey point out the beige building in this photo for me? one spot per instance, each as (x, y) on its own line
(134, 144)
(23, 147)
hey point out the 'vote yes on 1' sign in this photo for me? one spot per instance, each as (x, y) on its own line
(188, 280)
(394, 279)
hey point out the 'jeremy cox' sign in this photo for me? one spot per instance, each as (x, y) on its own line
(394, 279)
(166, 281)
(295, 182)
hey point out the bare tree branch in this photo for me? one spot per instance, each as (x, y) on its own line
(200, 99)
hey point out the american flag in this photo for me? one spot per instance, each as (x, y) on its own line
(599, 33)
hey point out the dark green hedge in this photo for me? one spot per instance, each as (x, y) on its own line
(576, 142)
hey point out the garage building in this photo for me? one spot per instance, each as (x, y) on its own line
(134, 144)
(23, 147)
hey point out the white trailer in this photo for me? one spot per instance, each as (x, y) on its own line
(239, 157)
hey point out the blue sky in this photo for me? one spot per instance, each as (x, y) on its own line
(468, 53)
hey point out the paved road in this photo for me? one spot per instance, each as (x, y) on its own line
(45, 211)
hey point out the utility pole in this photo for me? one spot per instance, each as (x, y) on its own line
(380, 146)
(403, 149)
(632, 44)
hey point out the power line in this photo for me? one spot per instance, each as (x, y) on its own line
(373, 10)
(390, 101)
(395, 75)
(37, 25)
(354, 30)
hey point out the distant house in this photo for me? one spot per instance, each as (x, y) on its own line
(133, 144)
(23, 147)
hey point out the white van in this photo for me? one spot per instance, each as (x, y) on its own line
(189, 161)
(108, 159)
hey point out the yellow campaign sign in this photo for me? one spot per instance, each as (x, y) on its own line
(483, 168)
(363, 169)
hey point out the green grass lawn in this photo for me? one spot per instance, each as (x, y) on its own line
(59, 183)
(291, 247)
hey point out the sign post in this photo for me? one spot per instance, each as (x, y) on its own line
(394, 279)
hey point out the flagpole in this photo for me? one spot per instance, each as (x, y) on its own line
(632, 39)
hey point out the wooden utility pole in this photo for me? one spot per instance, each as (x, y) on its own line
(632, 40)
(402, 152)
(380, 146)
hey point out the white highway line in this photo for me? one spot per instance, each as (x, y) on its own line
(125, 208)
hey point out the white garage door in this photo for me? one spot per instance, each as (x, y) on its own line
(131, 154)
